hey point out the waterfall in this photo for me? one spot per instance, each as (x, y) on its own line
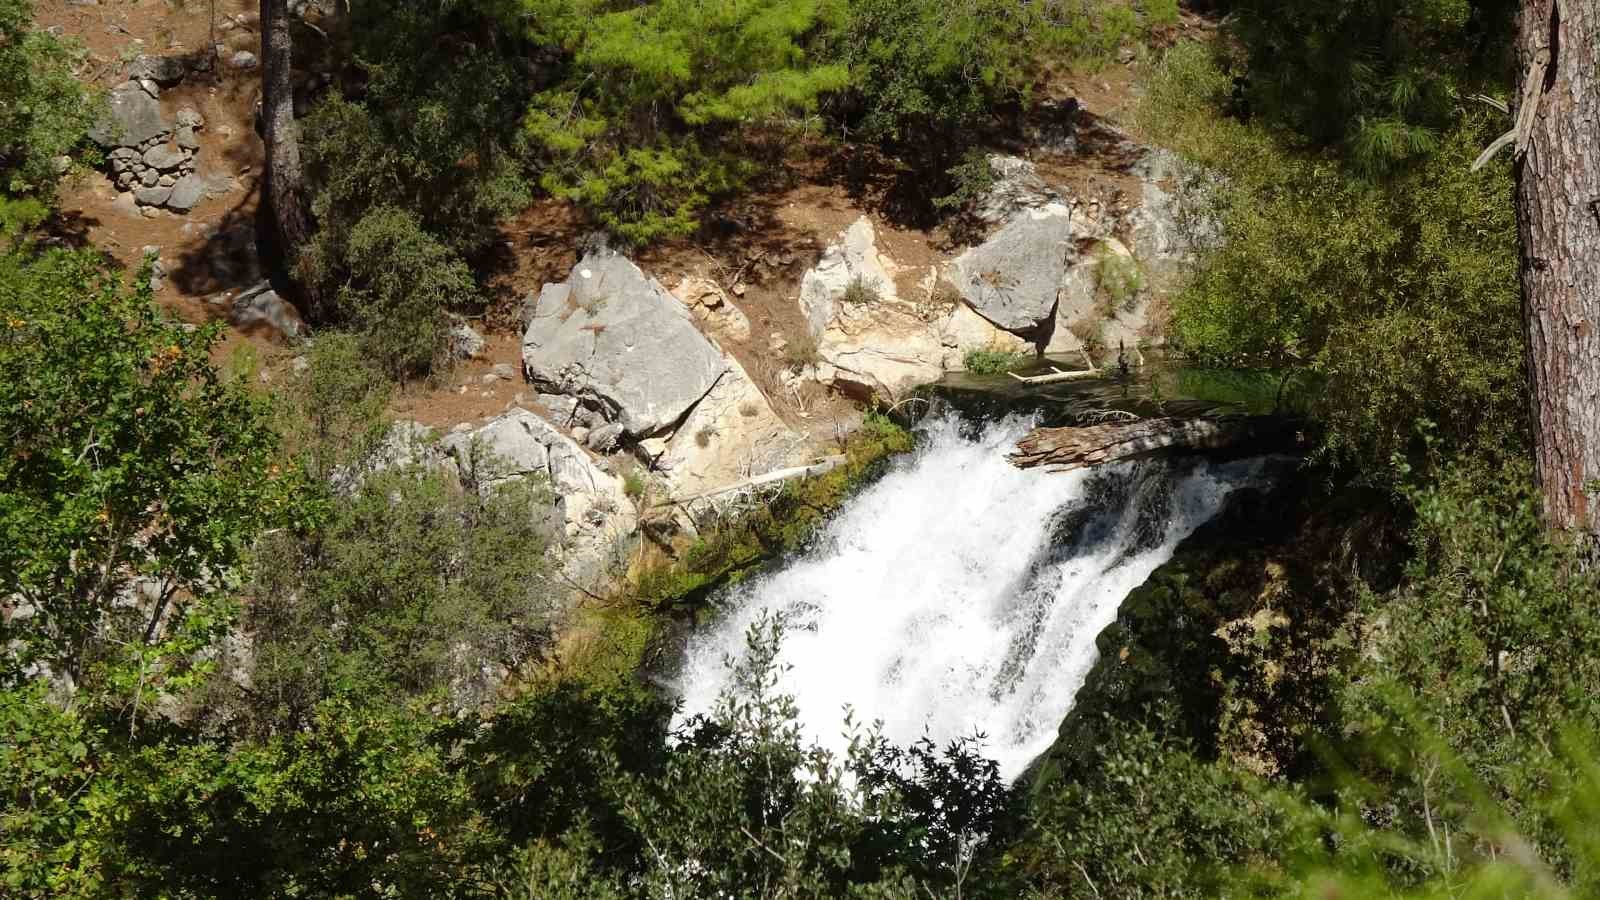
(960, 594)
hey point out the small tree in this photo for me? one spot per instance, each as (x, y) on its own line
(125, 461)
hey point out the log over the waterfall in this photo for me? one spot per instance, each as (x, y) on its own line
(1076, 447)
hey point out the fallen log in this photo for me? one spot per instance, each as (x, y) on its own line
(1055, 375)
(1076, 447)
(1058, 374)
(778, 476)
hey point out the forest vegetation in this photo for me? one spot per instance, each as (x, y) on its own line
(1428, 725)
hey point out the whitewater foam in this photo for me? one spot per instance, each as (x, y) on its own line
(960, 594)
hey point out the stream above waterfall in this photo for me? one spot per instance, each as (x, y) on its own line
(959, 595)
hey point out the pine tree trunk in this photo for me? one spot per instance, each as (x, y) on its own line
(1558, 220)
(285, 187)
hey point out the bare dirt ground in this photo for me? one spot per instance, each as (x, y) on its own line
(755, 247)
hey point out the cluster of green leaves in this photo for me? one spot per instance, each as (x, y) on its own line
(994, 360)
(128, 466)
(1381, 80)
(44, 114)
(653, 113)
(1398, 298)
(412, 175)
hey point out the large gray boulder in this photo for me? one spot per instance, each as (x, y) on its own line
(259, 309)
(1011, 279)
(132, 118)
(614, 337)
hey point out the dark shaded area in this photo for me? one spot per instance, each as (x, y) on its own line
(1302, 549)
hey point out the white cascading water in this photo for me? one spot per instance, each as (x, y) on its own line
(960, 594)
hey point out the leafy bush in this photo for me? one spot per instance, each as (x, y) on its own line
(412, 179)
(1152, 820)
(402, 281)
(126, 462)
(335, 417)
(408, 589)
(994, 361)
(633, 484)
(1399, 297)
(44, 114)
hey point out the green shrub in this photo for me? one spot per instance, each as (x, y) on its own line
(994, 360)
(422, 166)
(1120, 279)
(335, 417)
(801, 351)
(1399, 298)
(646, 124)
(401, 283)
(125, 456)
(407, 590)
(1161, 13)
(44, 113)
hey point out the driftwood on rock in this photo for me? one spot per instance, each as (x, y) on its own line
(1056, 375)
(1076, 447)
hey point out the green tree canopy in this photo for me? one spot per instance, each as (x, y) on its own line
(127, 462)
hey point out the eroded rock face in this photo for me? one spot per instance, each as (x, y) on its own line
(854, 256)
(594, 512)
(1017, 188)
(614, 338)
(1165, 236)
(730, 435)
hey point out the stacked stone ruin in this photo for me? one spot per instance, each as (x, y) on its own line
(148, 156)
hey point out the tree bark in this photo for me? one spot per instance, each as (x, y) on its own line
(285, 184)
(1558, 221)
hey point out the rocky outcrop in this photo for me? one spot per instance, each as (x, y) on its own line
(1166, 235)
(624, 364)
(853, 259)
(597, 519)
(132, 119)
(1016, 189)
(616, 340)
(733, 433)
(871, 341)
(590, 514)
